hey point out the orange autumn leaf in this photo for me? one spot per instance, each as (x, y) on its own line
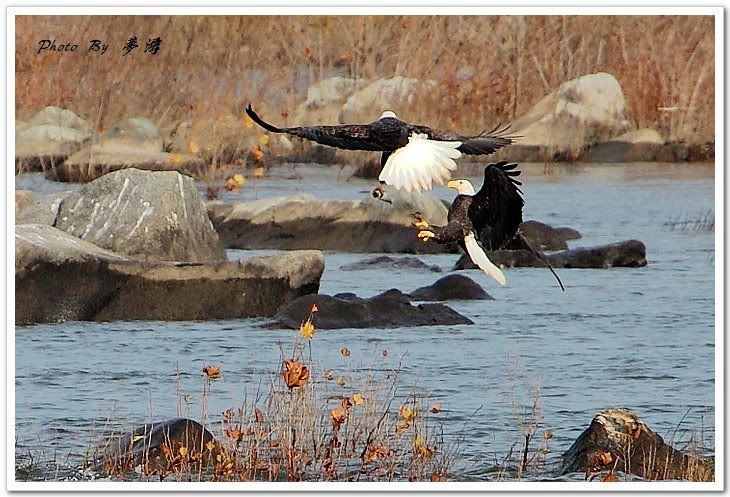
(403, 425)
(610, 477)
(235, 182)
(257, 153)
(358, 399)
(274, 443)
(228, 414)
(233, 433)
(295, 373)
(314, 308)
(212, 372)
(345, 351)
(183, 451)
(328, 374)
(374, 452)
(436, 477)
(407, 413)
(258, 173)
(346, 403)
(258, 416)
(176, 159)
(436, 407)
(338, 416)
(603, 458)
(341, 381)
(423, 450)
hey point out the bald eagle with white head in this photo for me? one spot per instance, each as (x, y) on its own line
(414, 157)
(491, 216)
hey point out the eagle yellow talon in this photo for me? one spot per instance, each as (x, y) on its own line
(420, 223)
(425, 235)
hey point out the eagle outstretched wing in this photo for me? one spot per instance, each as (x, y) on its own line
(379, 136)
(496, 209)
(482, 144)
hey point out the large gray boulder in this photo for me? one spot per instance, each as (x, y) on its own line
(397, 93)
(39, 208)
(48, 138)
(142, 214)
(133, 142)
(325, 100)
(306, 222)
(580, 113)
(56, 116)
(639, 145)
(59, 277)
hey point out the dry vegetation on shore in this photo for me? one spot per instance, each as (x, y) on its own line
(489, 69)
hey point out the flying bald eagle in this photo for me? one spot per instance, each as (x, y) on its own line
(414, 157)
(491, 216)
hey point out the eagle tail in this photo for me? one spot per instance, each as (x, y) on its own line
(480, 258)
(520, 242)
(255, 118)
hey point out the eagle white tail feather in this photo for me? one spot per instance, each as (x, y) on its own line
(481, 260)
(421, 163)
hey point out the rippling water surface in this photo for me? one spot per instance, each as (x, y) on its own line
(640, 338)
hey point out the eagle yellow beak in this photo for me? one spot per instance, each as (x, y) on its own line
(453, 184)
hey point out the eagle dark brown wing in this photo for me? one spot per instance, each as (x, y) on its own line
(483, 144)
(496, 209)
(383, 135)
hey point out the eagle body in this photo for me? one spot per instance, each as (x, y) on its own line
(486, 220)
(414, 157)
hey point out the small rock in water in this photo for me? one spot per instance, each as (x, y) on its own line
(451, 287)
(387, 262)
(390, 309)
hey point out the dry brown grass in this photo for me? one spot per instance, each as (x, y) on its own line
(210, 66)
(349, 424)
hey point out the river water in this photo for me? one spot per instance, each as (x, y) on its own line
(641, 338)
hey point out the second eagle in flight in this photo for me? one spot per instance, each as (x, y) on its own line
(414, 157)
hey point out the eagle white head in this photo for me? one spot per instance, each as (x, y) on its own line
(387, 113)
(462, 186)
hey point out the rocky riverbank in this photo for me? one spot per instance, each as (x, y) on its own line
(139, 245)
(585, 120)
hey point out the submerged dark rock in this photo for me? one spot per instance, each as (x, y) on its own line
(629, 253)
(156, 447)
(545, 237)
(451, 287)
(617, 440)
(387, 262)
(390, 309)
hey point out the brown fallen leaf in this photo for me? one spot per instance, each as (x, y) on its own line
(212, 372)
(295, 373)
(338, 416)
